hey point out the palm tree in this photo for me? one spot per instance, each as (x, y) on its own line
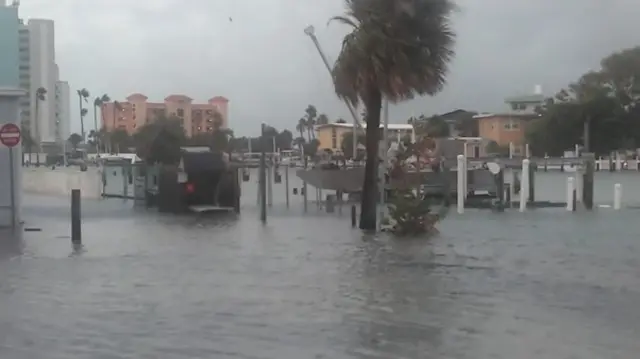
(323, 119)
(395, 50)
(311, 114)
(98, 102)
(41, 93)
(27, 142)
(221, 136)
(301, 127)
(75, 139)
(83, 95)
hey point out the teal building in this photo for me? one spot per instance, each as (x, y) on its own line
(10, 93)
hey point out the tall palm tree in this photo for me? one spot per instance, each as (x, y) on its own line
(83, 95)
(41, 93)
(98, 102)
(301, 126)
(396, 50)
(311, 114)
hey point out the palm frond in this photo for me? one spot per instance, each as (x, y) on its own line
(403, 48)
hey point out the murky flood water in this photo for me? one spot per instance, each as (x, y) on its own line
(541, 284)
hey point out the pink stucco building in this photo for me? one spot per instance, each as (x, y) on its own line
(136, 112)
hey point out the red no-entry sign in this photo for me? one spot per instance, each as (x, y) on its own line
(10, 135)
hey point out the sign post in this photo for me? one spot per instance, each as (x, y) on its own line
(10, 137)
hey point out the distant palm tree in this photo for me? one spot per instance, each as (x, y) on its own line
(221, 136)
(396, 50)
(75, 139)
(311, 114)
(27, 142)
(83, 95)
(98, 102)
(41, 93)
(301, 126)
(323, 119)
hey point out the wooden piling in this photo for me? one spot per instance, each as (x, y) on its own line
(612, 166)
(499, 177)
(354, 214)
(587, 180)
(76, 220)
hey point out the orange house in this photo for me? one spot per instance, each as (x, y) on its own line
(510, 127)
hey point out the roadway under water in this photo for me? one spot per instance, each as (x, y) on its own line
(541, 284)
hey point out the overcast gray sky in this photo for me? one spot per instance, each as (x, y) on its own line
(270, 70)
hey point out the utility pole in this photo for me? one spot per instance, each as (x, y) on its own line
(310, 31)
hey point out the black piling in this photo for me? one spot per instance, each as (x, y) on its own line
(76, 224)
(574, 199)
(587, 180)
(500, 188)
(612, 165)
(354, 218)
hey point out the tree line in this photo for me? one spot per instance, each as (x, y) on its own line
(599, 111)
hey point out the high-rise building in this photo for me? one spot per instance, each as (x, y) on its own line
(44, 74)
(63, 111)
(48, 120)
(136, 112)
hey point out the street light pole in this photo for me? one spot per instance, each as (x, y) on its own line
(310, 31)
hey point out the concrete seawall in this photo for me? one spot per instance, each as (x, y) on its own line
(61, 181)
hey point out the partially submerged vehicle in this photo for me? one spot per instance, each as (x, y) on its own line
(203, 181)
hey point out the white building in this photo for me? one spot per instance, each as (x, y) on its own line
(63, 111)
(39, 69)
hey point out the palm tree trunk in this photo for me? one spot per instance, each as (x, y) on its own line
(368, 201)
(81, 118)
(37, 135)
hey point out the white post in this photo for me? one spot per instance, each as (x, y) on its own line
(465, 169)
(527, 152)
(618, 162)
(576, 154)
(617, 196)
(460, 190)
(524, 185)
(570, 189)
(511, 149)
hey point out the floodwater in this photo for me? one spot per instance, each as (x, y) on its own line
(541, 284)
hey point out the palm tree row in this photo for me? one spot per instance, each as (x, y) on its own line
(306, 125)
(396, 50)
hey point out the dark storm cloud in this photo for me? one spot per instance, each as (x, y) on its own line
(270, 70)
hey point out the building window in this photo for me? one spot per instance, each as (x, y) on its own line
(511, 125)
(180, 112)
